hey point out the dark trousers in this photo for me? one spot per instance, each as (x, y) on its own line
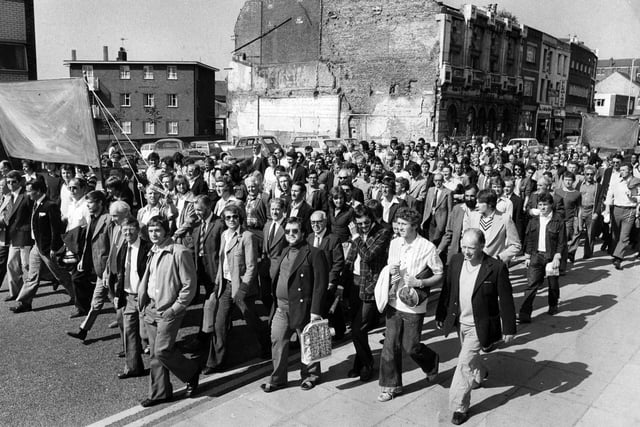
(4, 255)
(622, 221)
(264, 281)
(403, 332)
(589, 227)
(535, 278)
(132, 338)
(365, 319)
(335, 318)
(248, 309)
(280, 335)
(165, 357)
(84, 283)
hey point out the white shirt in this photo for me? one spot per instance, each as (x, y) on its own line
(542, 236)
(619, 193)
(317, 238)
(78, 214)
(227, 235)
(505, 206)
(386, 207)
(65, 200)
(468, 277)
(134, 278)
(413, 258)
(36, 206)
(295, 207)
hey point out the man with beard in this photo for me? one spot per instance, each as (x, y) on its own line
(450, 243)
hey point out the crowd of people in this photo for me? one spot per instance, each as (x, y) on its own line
(355, 236)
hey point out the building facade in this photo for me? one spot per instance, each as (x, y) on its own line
(580, 86)
(152, 99)
(628, 66)
(408, 68)
(617, 95)
(17, 41)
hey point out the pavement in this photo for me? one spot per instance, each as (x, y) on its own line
(577, 368)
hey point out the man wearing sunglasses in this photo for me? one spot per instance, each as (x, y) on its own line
(236, 285)
(299, 287)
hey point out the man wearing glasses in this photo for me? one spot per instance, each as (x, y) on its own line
(236, 284)
(345, 178)
(299, 287)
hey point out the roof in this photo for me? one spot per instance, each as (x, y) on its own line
(618, 62)
(94, 62)
(616, 82)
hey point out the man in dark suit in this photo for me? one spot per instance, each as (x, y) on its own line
(18, 233)
(316, 197)
(345, 178)
(450, 243)
(476, 296)
(299, 287)
(613, 170)
(196, 181)
(437, 207)
(132, 259)
(272, 247)
(332, 248)
(297, 172)
(299, 208)
(539, 252)
(402, 193)
(259, 163)
(53, 181)
(5, 204)
(47, 228)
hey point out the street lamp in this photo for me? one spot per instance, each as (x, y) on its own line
(633, 61)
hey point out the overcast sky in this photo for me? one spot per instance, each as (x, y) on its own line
(202, 30)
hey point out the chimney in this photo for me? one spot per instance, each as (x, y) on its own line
(122, 54)
(73, 55)
(105, 53)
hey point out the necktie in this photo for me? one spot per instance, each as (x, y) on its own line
(272, 233)
(127, 269)
(435, 199)
(203, 232)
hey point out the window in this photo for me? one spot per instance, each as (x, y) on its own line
(172, 128)
(149, 128)
(599, 102)
(125, 72)
(13, 57)
(148, 72)
(149, 100)
(126, 127)
(125, 100)
(528, 88)
(531, 54)
(172, 100)
(172, 72)
(87, 71)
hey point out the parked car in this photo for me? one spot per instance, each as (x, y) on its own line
(205, 148)
(165, 147)
(531, 143)
(243, 148)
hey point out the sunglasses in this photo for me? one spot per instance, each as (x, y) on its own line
(73, 188)
(363, 223)
(292, 231)
(343, 177)
(231, 217)
(11, 181)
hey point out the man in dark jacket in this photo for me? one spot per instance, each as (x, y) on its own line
(539, 251)
(299, 288)
(47, 228)
(477, 294)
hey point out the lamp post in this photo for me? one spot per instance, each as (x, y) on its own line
(633, 61)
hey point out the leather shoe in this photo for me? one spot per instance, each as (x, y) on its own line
(55, 286)
(192, 385)
(553, 310)
(147, 403)
(523, 318)
(366, 373)
(76, 314)
(215, 370)
(21, 308)
(617, 263)
(353, 373)
(433, 373)
(10, 298)
(459, 418)
(81, 334)
(307, 385)
(132, 374)
(269, 388)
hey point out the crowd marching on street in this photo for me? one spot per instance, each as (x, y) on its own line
(355, 236)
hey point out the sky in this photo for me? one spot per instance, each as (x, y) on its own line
(202, 30)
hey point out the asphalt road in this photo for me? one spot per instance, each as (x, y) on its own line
(48, 378)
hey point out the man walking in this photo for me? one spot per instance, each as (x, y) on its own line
(476, 296)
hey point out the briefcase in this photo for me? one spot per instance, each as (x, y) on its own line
(315, 342)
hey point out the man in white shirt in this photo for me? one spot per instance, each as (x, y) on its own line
(619, 197)
(476, 296)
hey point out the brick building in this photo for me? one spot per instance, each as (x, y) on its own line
(408, 68)
(628, 66)
(153, 99)
(580, 85)
(17, 41)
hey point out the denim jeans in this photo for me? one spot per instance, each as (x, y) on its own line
(403, 332)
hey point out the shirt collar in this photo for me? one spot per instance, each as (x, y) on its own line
(321, 235)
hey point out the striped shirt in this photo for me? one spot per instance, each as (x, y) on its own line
(413, 258)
